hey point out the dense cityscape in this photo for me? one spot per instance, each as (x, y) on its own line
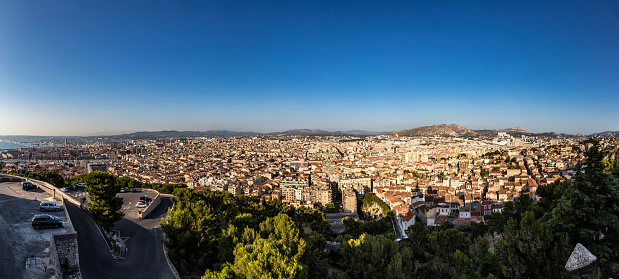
(431, 176)
(428, 180)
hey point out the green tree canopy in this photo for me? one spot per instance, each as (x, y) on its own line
(376, 257)
(589, 211)
(105, 206)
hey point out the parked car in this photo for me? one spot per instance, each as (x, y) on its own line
(123, 190)
(133, 190)
(28, 185)
(141, 204)
(146, 199)
(40, 221)
(49, 206)
(80, 185)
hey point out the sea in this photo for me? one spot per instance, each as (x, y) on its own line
(7, 145)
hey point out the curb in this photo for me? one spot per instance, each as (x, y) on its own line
(167, 258)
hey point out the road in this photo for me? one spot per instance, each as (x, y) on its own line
(145, 257)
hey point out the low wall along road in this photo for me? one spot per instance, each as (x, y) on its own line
(156, 201)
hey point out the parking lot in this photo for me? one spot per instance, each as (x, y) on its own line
(18, 239)
(131, 199)
(78, 194)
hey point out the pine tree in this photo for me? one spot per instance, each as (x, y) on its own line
(105, 206)
(589, 211)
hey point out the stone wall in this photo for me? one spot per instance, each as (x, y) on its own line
(67, 255)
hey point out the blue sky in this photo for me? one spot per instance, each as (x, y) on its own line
(81, 67)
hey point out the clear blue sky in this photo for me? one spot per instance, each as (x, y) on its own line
(80, 67)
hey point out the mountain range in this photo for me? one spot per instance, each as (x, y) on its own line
(444, 130)
(451, 130)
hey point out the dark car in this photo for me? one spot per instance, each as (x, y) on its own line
(133, 190)
(41, 221)
(28, 185)
(146, 199)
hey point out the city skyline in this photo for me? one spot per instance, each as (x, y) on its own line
(84, 68)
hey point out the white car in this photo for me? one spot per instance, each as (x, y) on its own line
(49, 206)
(141, 204)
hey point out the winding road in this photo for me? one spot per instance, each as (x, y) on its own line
(145, 258)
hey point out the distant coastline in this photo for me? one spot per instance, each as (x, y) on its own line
(5, 145)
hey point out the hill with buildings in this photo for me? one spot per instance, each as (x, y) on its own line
(517, 131)
(606, 135)
(442, 130)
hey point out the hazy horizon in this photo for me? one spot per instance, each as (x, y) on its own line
(104, 133)
(80, 68)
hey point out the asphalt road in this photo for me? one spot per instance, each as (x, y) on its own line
(145, 257)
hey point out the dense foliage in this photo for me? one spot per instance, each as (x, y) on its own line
(50, 177)
(371, 200)
(104, 205)
(129, 183)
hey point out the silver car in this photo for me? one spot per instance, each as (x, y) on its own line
(49, 206)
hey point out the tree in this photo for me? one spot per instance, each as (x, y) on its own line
(376, 257)
(192, 229)
(589, 211)
(353, 226)
(529, 249)
(50, 177)
(330, 208)
(484, 172)
(275, 251)
(418, 239)
(446, 242)
(105, 206)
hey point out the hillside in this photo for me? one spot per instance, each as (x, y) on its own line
(606, 135)
(517, 131)
(443, 130)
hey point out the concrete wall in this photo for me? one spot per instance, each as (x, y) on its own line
(10, 178)
(52, 260)
(53, 191)
(68, 218)
(156, 201)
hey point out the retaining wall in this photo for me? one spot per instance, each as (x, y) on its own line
(66, 214)
(156, 201)
(52, 259)
(66, 253)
